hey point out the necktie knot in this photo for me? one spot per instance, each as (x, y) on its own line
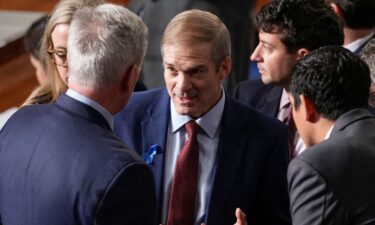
(192, 128)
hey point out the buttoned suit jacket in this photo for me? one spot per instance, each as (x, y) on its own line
(333, 182)
(251, 158)
(264, 98)
(61, 164)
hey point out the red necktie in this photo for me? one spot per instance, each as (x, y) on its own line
(184, 188)
(292, 130)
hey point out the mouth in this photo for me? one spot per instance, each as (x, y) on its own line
(260, 70)
(186, 100)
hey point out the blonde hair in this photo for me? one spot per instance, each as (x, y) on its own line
(54, 87)
(193, 26)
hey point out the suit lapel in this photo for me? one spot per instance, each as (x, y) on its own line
(231, 147)
(154, 132)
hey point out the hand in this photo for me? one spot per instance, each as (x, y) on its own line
(241, 217)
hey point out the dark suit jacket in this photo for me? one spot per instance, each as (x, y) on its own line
(360, 48)
(250, 170)
(264, 98)
(61, 164)
(158, 13)
(333, 182)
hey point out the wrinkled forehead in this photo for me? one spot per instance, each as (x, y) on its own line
(187, 42)
(199, 51)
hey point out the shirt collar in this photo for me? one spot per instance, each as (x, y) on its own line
(284, 99)
(85, 100)
(358, 43)
(329, 133)
(209, 122)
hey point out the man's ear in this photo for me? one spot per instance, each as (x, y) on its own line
(129, 79)
(225, 67)
(302, 52)
(310, 113)
(337, 10)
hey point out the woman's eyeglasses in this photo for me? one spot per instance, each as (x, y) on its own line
(58, 57)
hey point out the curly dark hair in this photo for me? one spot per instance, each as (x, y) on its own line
(304, 23)
(334, 79)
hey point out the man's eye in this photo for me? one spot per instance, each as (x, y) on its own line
(195, 71)
(266, 47)
(171, 69)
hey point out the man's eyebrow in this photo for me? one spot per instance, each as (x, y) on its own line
(266, 43)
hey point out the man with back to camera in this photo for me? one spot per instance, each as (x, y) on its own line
(60, 163)
(288, 31)
(359, 21)
(332, 182)
(235, 156)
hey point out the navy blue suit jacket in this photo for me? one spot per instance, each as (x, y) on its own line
(264, 98)
(61, 164)
(251, 165)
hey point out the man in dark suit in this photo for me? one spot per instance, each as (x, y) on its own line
(156, 14)
(288, 31)
(242, 153)
(332, 182)
(358, 18)
(60, 163)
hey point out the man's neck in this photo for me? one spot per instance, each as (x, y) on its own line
(352, 35)
(323, 126)
(101, 96)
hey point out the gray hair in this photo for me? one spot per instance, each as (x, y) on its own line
(103, 43)
(368, 55)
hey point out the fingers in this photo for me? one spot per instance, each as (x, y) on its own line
(241, 217)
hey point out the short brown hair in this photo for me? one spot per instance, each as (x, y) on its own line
(199, 26)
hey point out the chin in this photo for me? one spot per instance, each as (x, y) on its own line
(265, 80)
(186, 112)
(182, 110)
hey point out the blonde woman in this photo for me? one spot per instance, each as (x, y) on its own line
(53, 50)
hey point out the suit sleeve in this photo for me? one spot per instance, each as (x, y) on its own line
(130, 198)
(312, 202)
